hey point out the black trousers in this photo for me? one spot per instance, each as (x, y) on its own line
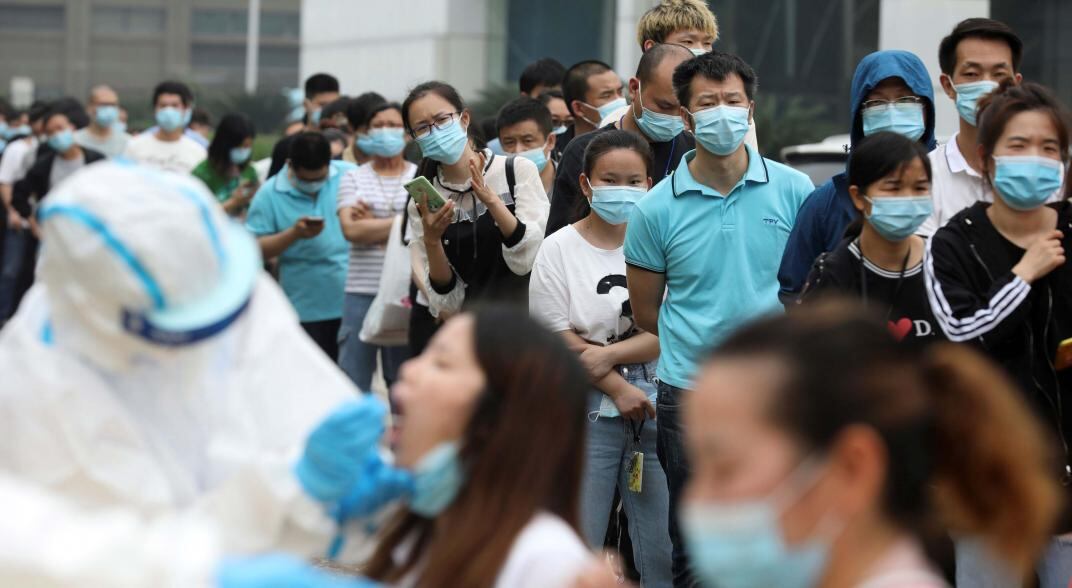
(326, 335)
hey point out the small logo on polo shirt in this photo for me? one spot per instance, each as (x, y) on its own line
(770, 221)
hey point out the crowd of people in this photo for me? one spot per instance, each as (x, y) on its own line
(611, 330)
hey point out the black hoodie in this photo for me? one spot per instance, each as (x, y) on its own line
(976, 298)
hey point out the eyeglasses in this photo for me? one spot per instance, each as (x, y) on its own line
(902, 100)
(441, 122)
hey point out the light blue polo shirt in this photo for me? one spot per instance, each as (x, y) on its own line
(719, 253)
(312, 272)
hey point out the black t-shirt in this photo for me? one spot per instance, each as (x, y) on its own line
(900, 296)
(568, 204)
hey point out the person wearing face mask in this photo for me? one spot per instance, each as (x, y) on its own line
(978, 55)
(654, 115)
(891, 91)
(525, 129)
(227, 172)
(561, 118)
(357, 116)
(881, 259)
(321, 89)
(689, 23)
(480, 245)
(578, 290)
(997, 276)
(167, 147)
(708, 239)
(592, 91)
(293, 216)
(377, 190)
(102, 134)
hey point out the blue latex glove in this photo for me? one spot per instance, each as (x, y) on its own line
(379, 485)
(338, 448)
(283, 571)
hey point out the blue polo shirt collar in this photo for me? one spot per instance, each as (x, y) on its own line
(284, 186)
(682, 181)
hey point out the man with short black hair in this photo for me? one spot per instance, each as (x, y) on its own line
(168, 147)
(654, 115)
(541, 76)
(201, 123)
(102, 134)
(702, 248)
(524, 127)
(560, 114)
(294, 218)
(321, 89)
(592, 90)
(978, 55)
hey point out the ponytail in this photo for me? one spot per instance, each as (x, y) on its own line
(992, 477)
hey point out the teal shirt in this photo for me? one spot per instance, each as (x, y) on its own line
(312, 272)
(719, 254)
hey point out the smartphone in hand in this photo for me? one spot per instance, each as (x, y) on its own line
(425, 193)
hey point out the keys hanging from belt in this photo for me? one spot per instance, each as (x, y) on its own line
(636, 461)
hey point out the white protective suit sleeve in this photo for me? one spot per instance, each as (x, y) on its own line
(45, 541)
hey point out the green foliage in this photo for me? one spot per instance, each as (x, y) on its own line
(266, 109)
(491, 99)
(785, 120)
(262, 146)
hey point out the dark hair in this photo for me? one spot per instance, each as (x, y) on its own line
(717, 66)
(441, 89)
(320, 83)
(575, 82)
(608, 141)
(233, 130)
(70, 107)
(546, 72)
(654, 57)
(359, 106)
(489, 126)
(335, 107)
(546, 97)
(1000, 106)
(978, 28)
(201, 117)
(378, 108)
(171, 87)
(877, 156)
(523, 109)
(38, 110)
(309, 150)
(523, 452)
(963, 451)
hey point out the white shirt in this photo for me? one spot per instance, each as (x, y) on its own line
(17, 159)
(385, 198)
(576, 286)
(111, 146)
(178, 156)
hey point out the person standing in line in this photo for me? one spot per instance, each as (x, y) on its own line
(227, 172)
(168, 148)
(480, 245)
(525, 129)
(578, 290)
(357, 116)
(561, 118)
(538, 77)
(293, 216)
(975, 58)
(655, 115)
(16, 160)
(997, 276)
(321, 89)
(881, 259)
(707, 240)
(375, 188)
(592, 91)
(103, 134)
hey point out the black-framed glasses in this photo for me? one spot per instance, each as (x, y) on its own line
(441, 122)
(900, 101)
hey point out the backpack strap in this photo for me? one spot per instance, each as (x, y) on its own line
(510, 181)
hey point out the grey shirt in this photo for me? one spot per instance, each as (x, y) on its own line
(112, 146)
(61, 168)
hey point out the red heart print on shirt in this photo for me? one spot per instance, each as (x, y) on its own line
(900, 329)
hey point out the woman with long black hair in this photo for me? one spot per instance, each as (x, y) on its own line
(227, 172)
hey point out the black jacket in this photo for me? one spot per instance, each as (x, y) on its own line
(37, 182)
(976, 298)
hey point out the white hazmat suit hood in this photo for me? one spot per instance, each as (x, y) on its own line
(155, 366)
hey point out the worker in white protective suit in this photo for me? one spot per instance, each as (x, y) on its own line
(155, 372)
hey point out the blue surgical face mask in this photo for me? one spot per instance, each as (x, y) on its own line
(22, 131)
(437, 478)
(560, 130)
(607, 408)
(364, 143)
(386, 142)
(106, 115)
(721, 129)
(896, 218)
(169, 118)
(314, 118)
(968, 96)
(1026, 182)
(308, 187)
(536, 156)
(187, 116)
(61, 141)
(614, 204)
(120, 127)
(741, 544)
(606, 110)
(445, 145)
(240, 155)
(4, 130)
(657, 126)
(903, 119)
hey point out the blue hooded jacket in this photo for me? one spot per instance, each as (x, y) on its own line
(828, 211)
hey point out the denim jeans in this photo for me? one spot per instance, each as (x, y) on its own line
(357, 358)
(978, 567)
(609, 452)
(671, 451)
(16, 244)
